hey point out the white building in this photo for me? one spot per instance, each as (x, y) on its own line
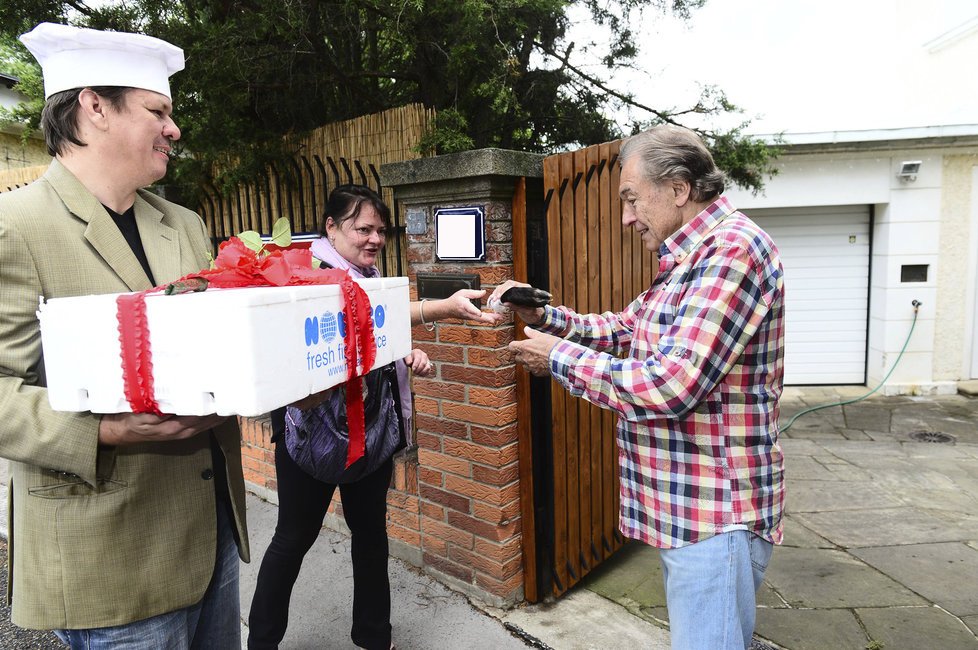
(869, 222)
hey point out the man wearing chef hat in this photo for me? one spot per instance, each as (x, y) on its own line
(125, 529)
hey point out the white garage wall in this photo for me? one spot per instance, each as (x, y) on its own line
(908, 216)
(825, 253)
(972, 324)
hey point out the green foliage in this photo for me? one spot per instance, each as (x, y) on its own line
(281, 236)
(17, 62)
(875, 645)
(282, 232)
(252, 240)
(747, 161)
(500, 73)
(447, 135)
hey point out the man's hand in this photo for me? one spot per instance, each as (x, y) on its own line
(133, 428)
(530, 315)
(534, 352)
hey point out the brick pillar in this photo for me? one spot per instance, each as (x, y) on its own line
(467, 462)
(258, 457)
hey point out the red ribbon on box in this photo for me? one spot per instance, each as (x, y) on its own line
(238, 266)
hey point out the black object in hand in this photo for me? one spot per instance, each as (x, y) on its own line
(526, 297)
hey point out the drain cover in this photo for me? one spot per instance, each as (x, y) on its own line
(931, 436)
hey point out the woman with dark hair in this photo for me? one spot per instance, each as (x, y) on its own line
(355, 226)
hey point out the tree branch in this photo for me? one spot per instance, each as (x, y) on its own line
(80, 7)
(597, 83)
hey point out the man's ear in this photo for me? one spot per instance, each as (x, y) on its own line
(681, 191)
(92, 109)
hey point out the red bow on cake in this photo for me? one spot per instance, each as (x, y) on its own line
(238, 266)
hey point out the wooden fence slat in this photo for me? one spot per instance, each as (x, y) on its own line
(583, 237)
(595, 264)
(570, 458)
(552, 171)
(597, 273)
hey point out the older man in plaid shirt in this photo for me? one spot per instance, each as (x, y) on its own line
(702, 473)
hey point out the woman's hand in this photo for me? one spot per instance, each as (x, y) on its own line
(458, 305)
(419, 363)
(530, 315)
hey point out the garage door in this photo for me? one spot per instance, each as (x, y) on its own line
(825, 252)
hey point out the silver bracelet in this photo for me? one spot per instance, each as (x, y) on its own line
(428, 326)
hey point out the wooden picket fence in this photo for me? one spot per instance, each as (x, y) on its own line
(351, 151)
(11, 179)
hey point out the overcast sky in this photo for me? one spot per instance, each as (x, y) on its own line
(825, 65)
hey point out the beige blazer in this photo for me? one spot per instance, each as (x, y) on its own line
(98, 537)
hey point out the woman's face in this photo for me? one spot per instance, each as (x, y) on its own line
(359, 239)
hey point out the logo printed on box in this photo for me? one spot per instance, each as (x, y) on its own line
(322, 329)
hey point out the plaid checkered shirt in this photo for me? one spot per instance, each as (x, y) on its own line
(697, 393)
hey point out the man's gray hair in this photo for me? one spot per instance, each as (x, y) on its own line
(672, 152)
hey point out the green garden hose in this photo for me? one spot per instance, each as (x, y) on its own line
(916, 308)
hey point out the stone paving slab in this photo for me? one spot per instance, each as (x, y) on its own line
(876, 418)
(651, 592)
(831, 496)
(806, 468)
(631, 566)
(767, 596)
(798, 447)
(951, 500)
(580, 620)
(865, 528)
(935, 451)
(858, 485)
(913, 628)
(795, 534)
(945, 574)
(826, 578)
(962, 526)
(855, 434)
(971, 622)
(811, 629)
(907, 475)
(859, 453)
(656, 615)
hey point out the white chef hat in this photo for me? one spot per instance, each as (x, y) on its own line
(75, 57)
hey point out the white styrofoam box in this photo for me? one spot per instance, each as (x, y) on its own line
(226, 351)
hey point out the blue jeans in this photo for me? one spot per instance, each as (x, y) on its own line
(710, 590)
(212, 624)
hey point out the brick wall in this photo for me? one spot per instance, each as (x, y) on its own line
(468, 473)
(258, 456)
(454, 503)
(453, 506)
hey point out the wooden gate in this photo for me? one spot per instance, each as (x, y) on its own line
(594, 265)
